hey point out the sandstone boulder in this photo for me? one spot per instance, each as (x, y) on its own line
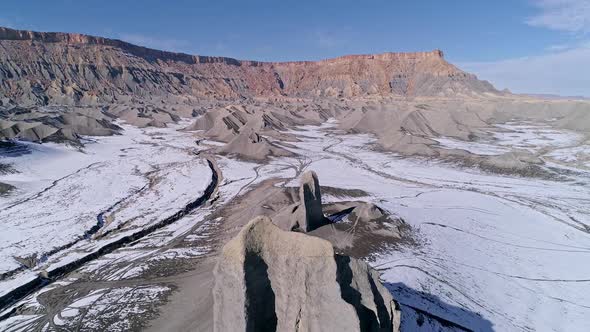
(268, 279)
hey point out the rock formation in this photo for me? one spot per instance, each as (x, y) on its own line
(61, 68)
(360, 229)
(355, 228)
(267, 279)
(367, 212)
(307, 214)
(54, 124)
(250, 145)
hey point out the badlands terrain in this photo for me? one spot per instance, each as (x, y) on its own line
(148, 190)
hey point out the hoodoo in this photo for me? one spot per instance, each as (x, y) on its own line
(268, 279)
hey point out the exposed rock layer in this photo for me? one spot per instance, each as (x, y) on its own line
(62, 68)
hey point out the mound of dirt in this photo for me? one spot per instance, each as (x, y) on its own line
(250, 145)
(54, 125)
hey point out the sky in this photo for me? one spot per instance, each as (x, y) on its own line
(527, 46)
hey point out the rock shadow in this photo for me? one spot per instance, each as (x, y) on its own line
(13, 149)
(260, 298)
(367, 318)
(426, 312)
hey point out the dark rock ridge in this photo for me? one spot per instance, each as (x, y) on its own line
(63, 68)
(268, 279)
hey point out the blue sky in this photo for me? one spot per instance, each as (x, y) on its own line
(539, 46)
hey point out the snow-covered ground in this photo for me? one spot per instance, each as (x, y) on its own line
(66, 199)
(494, 252)
(579, 155)
(552, 144)
(118, 277)
(481, 148)
(534, 137)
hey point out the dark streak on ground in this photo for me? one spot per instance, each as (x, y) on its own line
(39, 282)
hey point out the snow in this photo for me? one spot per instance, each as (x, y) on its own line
(17, 323)
(69, 313)
(479, 148)
(107, 304)
(561, 145)
(493, 252)
(122, 183)
(576, 154)
(534, 137)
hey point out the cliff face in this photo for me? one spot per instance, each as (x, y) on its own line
(61, 68)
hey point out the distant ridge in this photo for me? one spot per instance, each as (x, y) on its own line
(75, 38)
(554, 97)
(66, 68)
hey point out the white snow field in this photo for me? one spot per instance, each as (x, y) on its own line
(121, 183)
(493, 252)
(489, 252)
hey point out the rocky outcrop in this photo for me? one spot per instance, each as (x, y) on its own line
(360, 229)
(267, 279)
(307, 214)
(250, 145)
(60, 68)
(357, 229)
(367, 212)
(54, 124)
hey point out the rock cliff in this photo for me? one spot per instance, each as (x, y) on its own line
(61, 68)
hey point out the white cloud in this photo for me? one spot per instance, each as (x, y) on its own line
(6, 23)
(559, 47)
(562, 15)
(564, 73)
(174, 45)
(325, 39)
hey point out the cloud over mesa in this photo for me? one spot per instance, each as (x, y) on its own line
(565, 73)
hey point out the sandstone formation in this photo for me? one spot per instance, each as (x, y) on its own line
(307, 215)
(267, 279)
(60, 68)
(360, 229)
(4, 188)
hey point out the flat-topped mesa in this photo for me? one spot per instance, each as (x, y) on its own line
(76, 38)
(386, 56)
(82, 39)
(64, 68)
